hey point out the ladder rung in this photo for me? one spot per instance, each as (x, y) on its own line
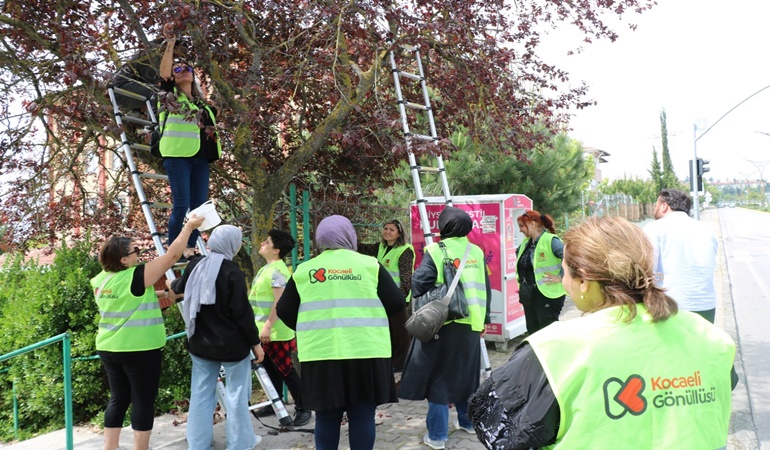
(131, 94)
(142, 147)
(421, 137)
(153, 176)
(139, 120)
(429, 169)
(416, 106)
(401, 73)
(160, 205)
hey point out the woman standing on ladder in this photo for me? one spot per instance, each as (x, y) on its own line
(187, 146)
(538, 269)
(398, 259)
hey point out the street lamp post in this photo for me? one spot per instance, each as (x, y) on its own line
(695, 148)
(694, 172)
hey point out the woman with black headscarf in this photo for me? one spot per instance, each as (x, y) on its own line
(339, 303)
(439, 370)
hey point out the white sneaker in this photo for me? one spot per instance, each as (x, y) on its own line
(469, 430)
(434, 444)
(259, 440)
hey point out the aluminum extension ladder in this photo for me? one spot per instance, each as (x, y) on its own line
(416, 169)
(411, 137)
(137, 176)
(151, 123)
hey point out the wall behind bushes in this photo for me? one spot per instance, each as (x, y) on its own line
(38, 302)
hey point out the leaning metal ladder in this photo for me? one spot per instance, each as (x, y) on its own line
(416, 169)
(137, 176)
(411, 137)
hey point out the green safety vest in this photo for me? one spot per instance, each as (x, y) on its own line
(128, 323)
(473, 277)
(545, 262)
(262, 299)
(638, 385)
(182, 137)
(340, 315)
(390, 262)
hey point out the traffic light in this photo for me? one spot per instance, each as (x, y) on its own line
(702, 167)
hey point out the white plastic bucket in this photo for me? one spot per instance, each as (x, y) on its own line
(209, 212)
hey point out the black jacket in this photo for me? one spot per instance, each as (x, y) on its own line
(224, 331)
(515, 408)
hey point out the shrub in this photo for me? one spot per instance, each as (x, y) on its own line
(37, 303)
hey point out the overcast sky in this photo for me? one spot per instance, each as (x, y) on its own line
(696, 60)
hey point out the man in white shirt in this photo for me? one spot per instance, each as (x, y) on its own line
(685, 252)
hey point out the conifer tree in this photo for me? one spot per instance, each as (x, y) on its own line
(668, 177)
(656, 174)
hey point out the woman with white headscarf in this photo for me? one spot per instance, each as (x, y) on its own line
(220, 331)
(339, 303)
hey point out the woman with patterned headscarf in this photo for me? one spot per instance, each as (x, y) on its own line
(220, 332)
(339, 303)
(446, 370)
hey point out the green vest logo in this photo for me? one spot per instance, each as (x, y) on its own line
(323, 274)
(628, 395)
(675, 391)
(317, 275)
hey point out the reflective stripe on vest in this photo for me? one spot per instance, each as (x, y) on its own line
(340, 315)
(390, 259)
(262, 299)
(638, 384)
(127, 323)
(473, 277)
(544, 261)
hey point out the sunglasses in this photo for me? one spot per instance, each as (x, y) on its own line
(180, 69)
(137, 250)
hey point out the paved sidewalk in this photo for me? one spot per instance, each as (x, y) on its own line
(402, 425)
(399, 426)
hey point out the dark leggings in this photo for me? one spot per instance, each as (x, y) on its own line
(362, 432)
(291, 379)
(539, 310)
(134, 379)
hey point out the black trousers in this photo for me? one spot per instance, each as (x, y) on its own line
(291, 379)
(134, 379)
(539, 310)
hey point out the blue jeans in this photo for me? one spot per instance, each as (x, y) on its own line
(189, 182)
(361, 420)
(238, 426)
(437, 421)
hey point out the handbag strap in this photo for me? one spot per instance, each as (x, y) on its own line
(447, 298)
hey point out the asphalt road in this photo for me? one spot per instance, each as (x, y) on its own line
(746, 242)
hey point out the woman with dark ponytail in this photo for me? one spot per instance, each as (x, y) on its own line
(538, 270)
(632, 373)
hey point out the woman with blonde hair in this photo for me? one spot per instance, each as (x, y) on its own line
(632, 373)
